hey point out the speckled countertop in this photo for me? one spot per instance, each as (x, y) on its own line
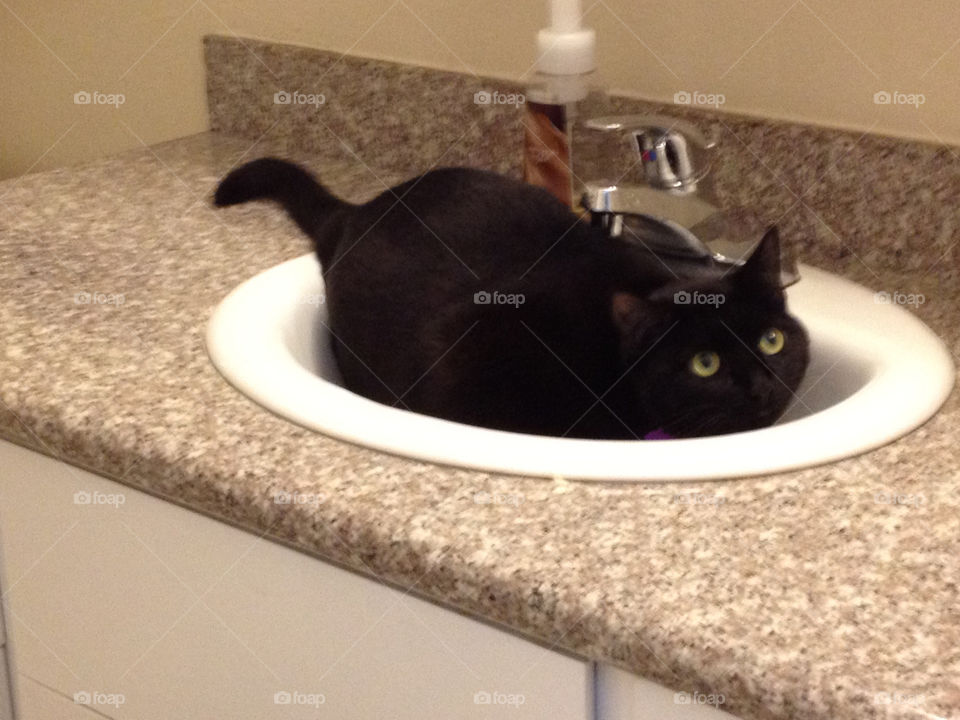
(802, 595)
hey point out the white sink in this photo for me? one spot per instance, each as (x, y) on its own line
(876, 373)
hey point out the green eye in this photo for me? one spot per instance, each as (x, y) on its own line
(771, 342)
(705, 364)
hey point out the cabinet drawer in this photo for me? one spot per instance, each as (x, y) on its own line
(156, 612)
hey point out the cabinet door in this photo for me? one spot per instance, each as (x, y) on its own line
(624, 696)
(6, 698)
(37, 701)
(146, 610)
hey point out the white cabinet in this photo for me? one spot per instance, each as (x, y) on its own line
(6, 695)
(624, 696)
(6, 686)
(37, 701)
(146, 610)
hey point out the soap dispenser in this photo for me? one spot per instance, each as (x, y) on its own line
(565, 66)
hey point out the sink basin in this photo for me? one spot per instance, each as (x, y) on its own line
(876, 373)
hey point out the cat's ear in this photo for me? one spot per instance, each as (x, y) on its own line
(762, 269)
(635, 316)
(626, 310)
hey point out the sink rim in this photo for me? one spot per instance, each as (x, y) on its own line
(270, 374)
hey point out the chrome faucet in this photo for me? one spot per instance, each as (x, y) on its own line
(675, 213)
(675, 155)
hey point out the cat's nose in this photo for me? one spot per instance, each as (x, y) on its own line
(761, 390)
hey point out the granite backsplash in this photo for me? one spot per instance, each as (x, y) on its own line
(841, 198)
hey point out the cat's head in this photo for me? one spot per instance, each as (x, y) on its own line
(710, 357)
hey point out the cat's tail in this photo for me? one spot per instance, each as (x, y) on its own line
(305, 199)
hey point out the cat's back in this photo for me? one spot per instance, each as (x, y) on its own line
(472, 189)
(484, 217)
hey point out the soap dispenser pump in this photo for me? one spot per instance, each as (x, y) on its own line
(566, 61)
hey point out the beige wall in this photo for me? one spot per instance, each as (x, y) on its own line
(818, 61)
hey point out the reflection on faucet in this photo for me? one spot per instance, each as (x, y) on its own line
(675, 214)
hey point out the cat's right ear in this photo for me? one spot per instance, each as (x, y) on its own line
(627, 309)
(762, 269)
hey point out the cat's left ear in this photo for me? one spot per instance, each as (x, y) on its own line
(635, 317)
(626, 310)
(762, 268)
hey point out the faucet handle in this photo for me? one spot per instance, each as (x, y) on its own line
(675, 155)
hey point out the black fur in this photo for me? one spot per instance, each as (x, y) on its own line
(599, 348)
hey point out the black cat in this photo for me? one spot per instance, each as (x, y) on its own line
(469, 296)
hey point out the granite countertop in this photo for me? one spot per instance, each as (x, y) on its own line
(800, 595)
